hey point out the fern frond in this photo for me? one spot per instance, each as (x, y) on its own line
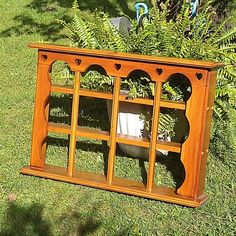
(228, 47)
(115, 39)
(217, 31)
(227, 37)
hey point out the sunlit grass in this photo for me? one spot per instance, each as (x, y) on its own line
(36, 206)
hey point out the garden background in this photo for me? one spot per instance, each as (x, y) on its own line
(34, 206)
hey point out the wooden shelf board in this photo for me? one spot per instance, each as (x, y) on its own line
(132, 140)
(59, 128)
(143, 142)
(126, 56)
(92, 133)
(122, 98)
(172, 104)
(81, 131)
(118, 185)
(143, 101)
(62, 89)
(104, 135)
(169, 146)
(95, 94)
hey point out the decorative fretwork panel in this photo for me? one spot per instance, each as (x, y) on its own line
(198, 111)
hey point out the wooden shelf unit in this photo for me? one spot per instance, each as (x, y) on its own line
(198, 111)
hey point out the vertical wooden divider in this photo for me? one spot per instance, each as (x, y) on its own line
(74, 121)
(113, 131)
(153, 142)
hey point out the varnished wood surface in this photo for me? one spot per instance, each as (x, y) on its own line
(127, 56)
(118, 185)
(113, 131)
(121, 138)
(154, 135)
(122, 98)
(74, 120)
(198, 111)
(200, 184)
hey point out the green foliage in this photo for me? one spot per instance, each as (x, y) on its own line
(199, 38)
(96, 80)
(45, 207)
(94, 30)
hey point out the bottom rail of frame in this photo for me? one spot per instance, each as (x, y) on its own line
(118, 185)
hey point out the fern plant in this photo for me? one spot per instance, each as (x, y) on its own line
(198, 38)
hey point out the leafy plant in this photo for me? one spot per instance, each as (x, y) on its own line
(198, 38)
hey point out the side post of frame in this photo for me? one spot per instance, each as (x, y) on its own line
(41, 110)
(207, 130)
(193, 155)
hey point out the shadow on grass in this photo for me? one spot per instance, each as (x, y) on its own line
(113, 8)
(172, 163)
(27, 22)
(82, 225)
(25, 221)
(29, 220)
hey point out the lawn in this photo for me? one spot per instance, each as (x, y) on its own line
(35, 206)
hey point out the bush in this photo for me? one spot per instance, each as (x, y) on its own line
(198, 38)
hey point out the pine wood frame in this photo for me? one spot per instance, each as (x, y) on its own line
(198, 110)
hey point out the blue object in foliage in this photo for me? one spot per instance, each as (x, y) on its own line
(138, 7)
(194, 5)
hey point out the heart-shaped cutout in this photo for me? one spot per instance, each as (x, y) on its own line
(199, 76)
(159, 71)
(78, 62)
(44, 57)
(117, 66)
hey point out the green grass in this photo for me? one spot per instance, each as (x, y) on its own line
(45, 207)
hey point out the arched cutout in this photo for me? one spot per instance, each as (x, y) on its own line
(95, 78)
(61, 74)
(181, 128)
(57, 149)
(138, 84)
(169, 171)
(177, 88)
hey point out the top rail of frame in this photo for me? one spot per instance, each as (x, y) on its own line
(128, 56)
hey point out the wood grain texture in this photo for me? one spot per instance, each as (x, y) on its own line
(210, 94)
(154, 133)
(118, 185)
(126, 56)
(120, 138)
(39, 133)
(194, 154)
(113, 132)
(74, 121)
(122, 98)
(198, 111)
